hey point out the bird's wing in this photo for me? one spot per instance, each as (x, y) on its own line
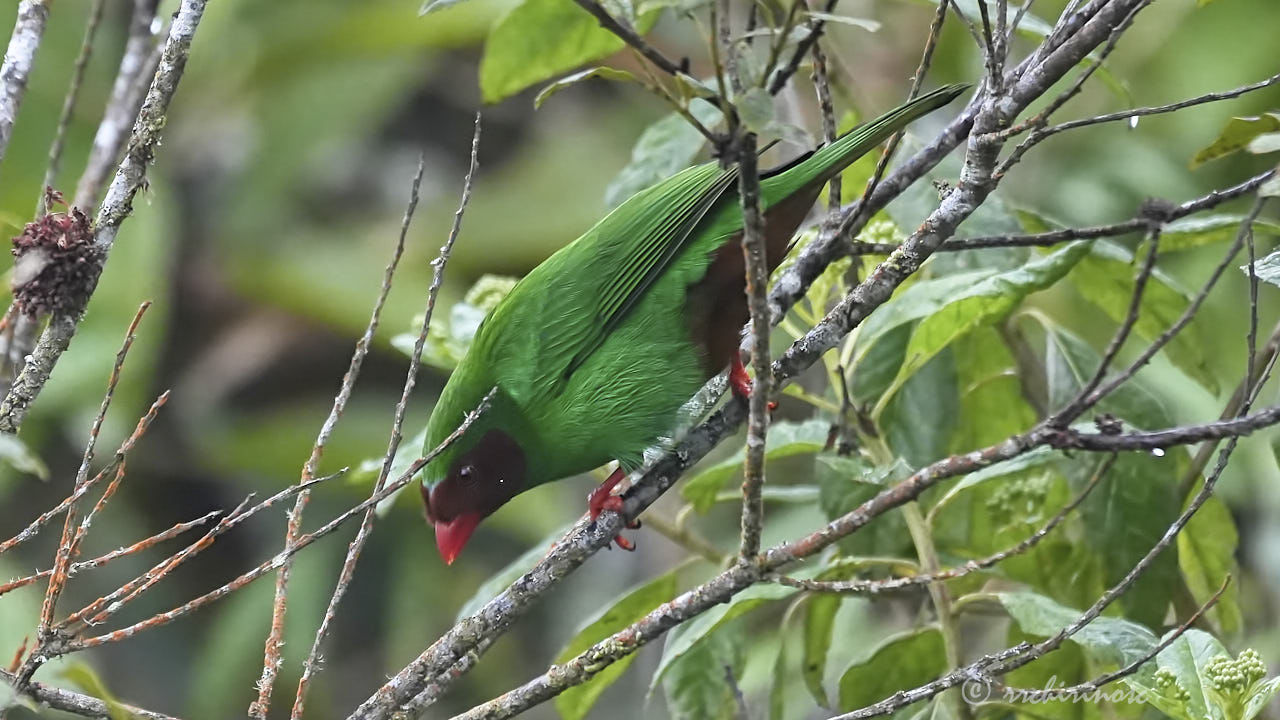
(656, 230)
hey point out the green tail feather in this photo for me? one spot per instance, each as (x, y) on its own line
(826, 162)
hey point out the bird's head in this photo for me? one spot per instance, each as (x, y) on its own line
(473, 482)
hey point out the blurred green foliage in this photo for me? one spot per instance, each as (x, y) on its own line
(274, 207)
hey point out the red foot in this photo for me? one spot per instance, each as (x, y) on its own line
(602, 498)
(740, 382)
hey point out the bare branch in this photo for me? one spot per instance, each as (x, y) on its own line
(117, 206)
(311, 665)
(876, 587)
(78, 703)
(19, 58)
(69, 103)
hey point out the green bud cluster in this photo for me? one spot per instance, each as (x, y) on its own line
(1019, 500)
(1232, 677)
(1168, 685)
(882, 230)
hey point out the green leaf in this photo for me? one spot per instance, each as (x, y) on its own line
(509, 574)
(819, 620)
(1111, 641)
(918, 301)
(539, 39)
(430, 6)
(16, 454)
(1070, 361)
(1192, 232)
(1265, 143)
(1207, 557)
(785, 439)
(900, 663)
(1270, 188)
(1236, 135)
(992, 406)
(607, 73)
(1062, 667)
(685, 638)
(664, 148)
(919, 419)
(87, 681)
(1267, 269)
(695, 686)
(576, 702)
(756, 109)
(1105, 277)
(864, 23)
(447, 342)
(846, 483)
(1127, 515)
(982, 304)
(1185, 658)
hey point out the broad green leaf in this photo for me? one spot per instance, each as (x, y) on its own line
(846, 483)
(695, 684)
(606, 73)
(1266, 143)
(900, 663)
(1038, 458)
(918, 301)
(680, 6)
(539, 39)
(1185, 658)
(1063, 667)
(87, 681)
(878, 366)
(447, 342)
(1236, 135)
(864, 23)
(1261, 698)
(1192, 232)
(756, 109)
(982, 304)
(919, 419)
(431, 6)
(992, 406)
(1270, 188)
(685, 638)
(1070, 361)
(16, 454)
(819, 620)
(1111, 641)
(1105, 277)
(576, 702)
(785, 439)
(509, 574)
(1207, 556)
(1267, 269)
(664, 148)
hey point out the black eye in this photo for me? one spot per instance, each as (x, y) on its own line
(466, 472)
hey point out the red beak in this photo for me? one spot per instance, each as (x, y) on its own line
(452, 536)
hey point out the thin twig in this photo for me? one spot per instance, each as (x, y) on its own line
(137, 65)
(311, 665)
(98, 562)
(19, 58)
(117, 206)
(79, 703)
(69, 102)
(876, 587)
(1080, 402)
(274, 563)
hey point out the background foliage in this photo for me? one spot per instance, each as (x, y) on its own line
(262, 240)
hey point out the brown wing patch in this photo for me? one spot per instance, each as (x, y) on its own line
(716, 306)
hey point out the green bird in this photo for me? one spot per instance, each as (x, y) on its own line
(596, 349)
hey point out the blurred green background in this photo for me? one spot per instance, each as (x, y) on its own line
(273, 209)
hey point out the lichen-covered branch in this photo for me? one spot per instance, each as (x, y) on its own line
(115, 208)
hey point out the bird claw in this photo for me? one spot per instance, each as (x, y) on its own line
(602, 498)
(740, 382)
